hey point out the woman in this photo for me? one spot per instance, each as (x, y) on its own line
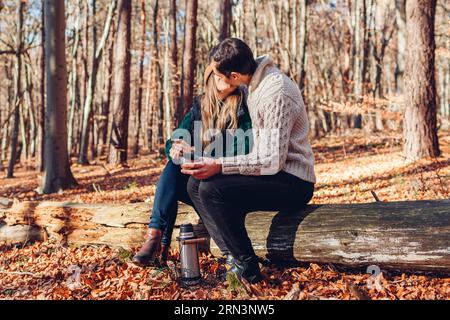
(221, 107)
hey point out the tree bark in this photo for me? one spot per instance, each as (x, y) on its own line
(400, 19)
(189, 60)
(57, 173)
(121, 105)
(176, 103)
(74, 79)
(166, 83)
(88, 103)
(303, 43)
(420, 132)
(140, 79)
(359, 53)
(17, 91)
(225, 19)
(104, 127)
(41, 112)
(409, 235)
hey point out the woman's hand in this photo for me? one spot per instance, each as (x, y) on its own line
(179, 147)
(202, 169)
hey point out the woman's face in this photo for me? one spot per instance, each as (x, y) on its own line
(223, 88)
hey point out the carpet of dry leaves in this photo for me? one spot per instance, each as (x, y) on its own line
(348, 168)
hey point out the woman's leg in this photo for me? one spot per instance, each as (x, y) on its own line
(179, 193)
(165, 204)
(164, 212)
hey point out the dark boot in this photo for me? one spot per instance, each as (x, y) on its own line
(148, 255)
(247, 270)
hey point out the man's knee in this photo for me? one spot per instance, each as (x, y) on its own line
(192, 187)
(211, 189)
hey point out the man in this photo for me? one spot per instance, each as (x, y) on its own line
(278, 174)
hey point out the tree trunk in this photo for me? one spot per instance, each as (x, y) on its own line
(140, 79)
(74, 79)
(407, 235)
(57, 174)
(189, 61)
(10, 105)
(178, 107)
(166, 84)
(420, 132)
(359, 61)
(303, 43)
(17, 91)
(400, 19)
(155, 87)
(121, 105)
(31, 109)
(255, 27)
(225, 19)
(41, 112)
(104, 127)
(88, 103)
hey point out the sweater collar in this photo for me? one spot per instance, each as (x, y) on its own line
(263, 62)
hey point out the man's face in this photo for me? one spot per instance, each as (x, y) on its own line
(233, 80)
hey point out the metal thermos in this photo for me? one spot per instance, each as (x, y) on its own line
(188, 241)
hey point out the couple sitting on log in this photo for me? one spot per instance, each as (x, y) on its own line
(216, 168)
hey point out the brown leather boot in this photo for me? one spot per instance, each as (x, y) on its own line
(148, 255)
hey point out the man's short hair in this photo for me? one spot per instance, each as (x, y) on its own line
(234, 55)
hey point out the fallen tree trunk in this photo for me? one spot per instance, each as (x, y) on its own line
(412, 235)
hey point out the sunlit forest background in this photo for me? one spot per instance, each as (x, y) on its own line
(91, 89)
(348, 58)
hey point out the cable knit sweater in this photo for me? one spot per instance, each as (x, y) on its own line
(280, 127)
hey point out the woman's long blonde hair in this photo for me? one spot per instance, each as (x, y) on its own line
(218, 114)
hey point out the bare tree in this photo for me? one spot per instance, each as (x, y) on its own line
(303, 42)
(225, 19)
(41, 111)
(57, 174)
(420, 133)
(121, 105)
(17, 89)
(361, 55)
(87, 112)
(189, 61)
(178, 107)
(140, 79)
(400, 19)
(74, 78)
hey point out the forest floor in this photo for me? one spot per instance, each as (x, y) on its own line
(348, 168)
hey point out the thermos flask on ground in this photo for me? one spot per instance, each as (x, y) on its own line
(190, 267)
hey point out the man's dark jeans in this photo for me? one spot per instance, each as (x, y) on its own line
(171, 188)
(225, 200)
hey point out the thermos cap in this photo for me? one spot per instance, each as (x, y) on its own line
(187, 227)
(186, 231)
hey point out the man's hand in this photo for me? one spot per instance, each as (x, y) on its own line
(203, 169)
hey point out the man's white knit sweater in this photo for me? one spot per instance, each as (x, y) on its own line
(280, 127)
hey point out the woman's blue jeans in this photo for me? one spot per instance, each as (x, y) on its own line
(171, 188)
